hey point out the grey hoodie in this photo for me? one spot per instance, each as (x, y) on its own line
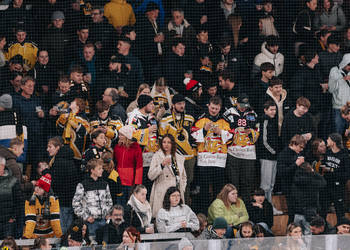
(337, 86)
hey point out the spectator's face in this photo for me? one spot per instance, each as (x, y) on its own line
(58, 23)
(330, 142)
(52, 1)
(76, 77)
(178, 18)
(228, 1)
(273, 49)
(28, 88)
(97, 171)
(322, 147)
(47, 245)
(113, 66)
(64, 87)
(117, 217)
(271, 111)
(100, 140)
(83, 35)
(200, 1)
(175, 199)
(123, 47)
(276, 90)
(2, 168)
(89, 53)
(205, 61)
(39, 191)
(346, 117)
(220, 232)
(333, 47)
(18, 149)
(16, 67)
(160, 89)
(103, 115)
(259, 198)
(3, 43)
(203, 37)
(166, 145)
(343, 229)
(17, 3)
(247, 232)
(21, 36)
(52, 149)
(107, 97)
(312, 5)
(347, 67)
(74, 107)
(141, 195)
(268, 74)
(232, 196)
(16, 83)
(179, 49)
(76, 6)
(180, 107)
(149, 108)
(152, 15)
(301, 110)
(96, 16)
(226, 50)
(314, 60)
(316, 230)
(221, 82)
(296, 233)
(268, 7)
(212, 91)
(214, 109)
(326, 4)
(127, 239)
(145, 91)
(43, 57)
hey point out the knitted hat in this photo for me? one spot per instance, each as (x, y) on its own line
(337, 138)
(57, 15)
(243, 101)
(127, 131)
(6, 101)
(343, 221)
(178, 98)
(220, 223)
(143, 100)
(192, 85)
(151, 6)
(44, 182)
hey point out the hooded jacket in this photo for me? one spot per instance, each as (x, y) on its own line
(266, 56)
(119, 13)
(337, 86)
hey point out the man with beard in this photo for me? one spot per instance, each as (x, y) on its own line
(179, 124)
(113, 230)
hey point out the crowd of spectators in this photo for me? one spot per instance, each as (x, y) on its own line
(119, 119)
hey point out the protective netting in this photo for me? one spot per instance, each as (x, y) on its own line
(200, 101)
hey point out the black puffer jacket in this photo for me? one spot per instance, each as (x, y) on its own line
(65, 176)
(11, 198)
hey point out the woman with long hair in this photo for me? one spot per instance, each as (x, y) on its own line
(128, 156)
(267, 27)
(175, 216)
(144, 89)
(138, 212)
(235, 22)
(65, 178)
(229, 206)
(294, 240)
(166, 170)
(130, 239)
(330, 16)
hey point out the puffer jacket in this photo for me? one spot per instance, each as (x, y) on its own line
(337, 86)
(266, 56)
(335, 17)
(119, 13)
(92, 199)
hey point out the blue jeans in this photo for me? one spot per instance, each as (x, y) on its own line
(66, 218)
(95, 225)
(340, 123)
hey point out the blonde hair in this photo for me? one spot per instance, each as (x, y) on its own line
(236, 22)
(223, 195)
(268, 28)
(141, 88)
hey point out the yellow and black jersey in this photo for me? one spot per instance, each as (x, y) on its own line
(74, 129)
(179, 127)
(211, 147)
(38, 224)
(113, 124)
(28, 50)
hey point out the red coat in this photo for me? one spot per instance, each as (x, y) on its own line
(129, 159)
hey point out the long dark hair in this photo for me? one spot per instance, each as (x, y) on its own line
(166, 201)
(173, 144)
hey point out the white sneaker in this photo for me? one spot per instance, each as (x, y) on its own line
(276, 212)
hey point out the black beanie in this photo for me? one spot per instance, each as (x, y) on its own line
(343, 221)
(144, 100)
(220, 223)
(178, 98)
